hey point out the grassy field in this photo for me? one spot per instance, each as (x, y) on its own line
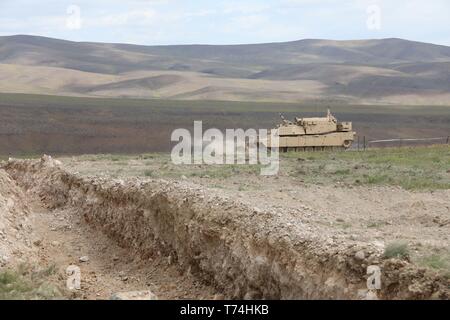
(33, 124)
(418, 168)
(411, 168)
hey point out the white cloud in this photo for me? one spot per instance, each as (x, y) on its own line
(260, 27)
(123, 19)
(248, 22)
(244, 7)
(227, 21)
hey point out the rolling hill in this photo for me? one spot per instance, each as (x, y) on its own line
(387, 71)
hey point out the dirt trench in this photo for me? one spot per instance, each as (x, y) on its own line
(216, 244)
(40, 238)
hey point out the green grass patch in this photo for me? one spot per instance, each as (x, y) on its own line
(438, 261)
(150, 173)
(376, 224)
(396, 250)
(342, 172)
(24, 283)
(418, 168)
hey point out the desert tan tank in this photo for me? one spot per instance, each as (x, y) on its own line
(309, 134)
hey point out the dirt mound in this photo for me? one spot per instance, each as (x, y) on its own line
(245, 252)
(15, 227)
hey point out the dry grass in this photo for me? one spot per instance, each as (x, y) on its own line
(67, 125)
(420, 168)
(27, 283)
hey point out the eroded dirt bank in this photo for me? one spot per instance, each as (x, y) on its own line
(15, 226)
(245, 252)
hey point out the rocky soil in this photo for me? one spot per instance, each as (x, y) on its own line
(183, 240)
(16, 232)
(33, 234)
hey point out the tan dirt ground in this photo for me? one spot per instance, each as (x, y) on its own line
(61, 237)
(373, 214)
(65, 237)
(337, 215)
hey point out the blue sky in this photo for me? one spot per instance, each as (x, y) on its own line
(226, 21)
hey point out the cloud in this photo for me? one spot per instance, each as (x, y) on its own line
(248, 22)
(227, 21)
(260, 27)
(145, 17)
(244, 7)
(37, 24)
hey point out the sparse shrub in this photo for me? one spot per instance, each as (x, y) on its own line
(195, 174)
(345, 225)
(299, 172)
(342, 172)
(437, 262)
(149, 173)
(25, 284)
(396, 250)
(376, 224)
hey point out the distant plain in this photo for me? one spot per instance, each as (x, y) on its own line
(36, 124)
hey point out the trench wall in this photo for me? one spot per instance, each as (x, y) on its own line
(245, 252)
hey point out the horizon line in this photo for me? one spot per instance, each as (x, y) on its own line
(236, 44)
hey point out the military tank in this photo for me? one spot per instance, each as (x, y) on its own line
(313, 134)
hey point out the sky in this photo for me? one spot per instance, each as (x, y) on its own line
(162, 22)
